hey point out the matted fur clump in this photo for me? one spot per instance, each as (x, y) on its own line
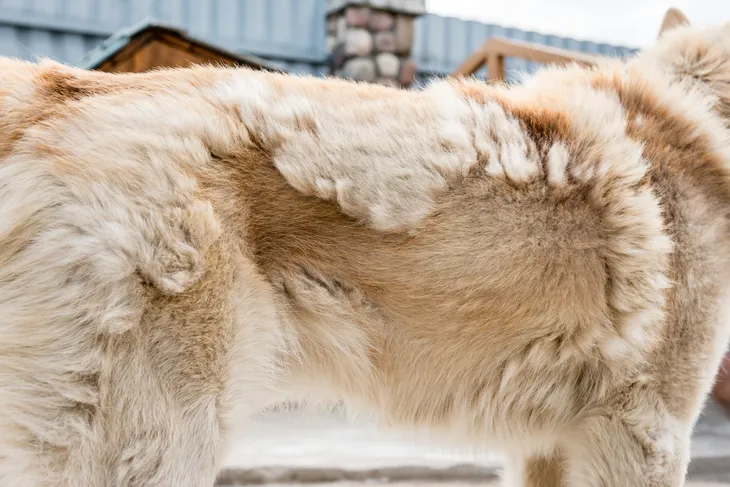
(539, 269)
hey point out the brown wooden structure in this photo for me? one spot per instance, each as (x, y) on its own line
(496, 49)
(153, 45)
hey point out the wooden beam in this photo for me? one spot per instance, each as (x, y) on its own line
(536, 52)
(496, 49)
(495, 67)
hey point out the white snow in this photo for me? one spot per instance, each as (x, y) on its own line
(308, 439)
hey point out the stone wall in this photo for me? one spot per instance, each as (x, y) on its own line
(372, 40)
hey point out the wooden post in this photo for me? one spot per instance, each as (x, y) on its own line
(495, 67)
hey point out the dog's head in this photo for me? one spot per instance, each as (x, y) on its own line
(697, 56)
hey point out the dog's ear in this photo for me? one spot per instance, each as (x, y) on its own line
(672, 19)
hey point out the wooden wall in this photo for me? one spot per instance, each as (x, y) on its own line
(162, 50)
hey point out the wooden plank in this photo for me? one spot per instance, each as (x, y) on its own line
(536, 52)
(150, 56)
(201, 53)
(181, 53)
(496, 49)
(123, 60)
(174, 40)
(495, 67)
(124, 66)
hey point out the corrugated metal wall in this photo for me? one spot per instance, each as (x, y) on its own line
(443, 43)
(290, 33)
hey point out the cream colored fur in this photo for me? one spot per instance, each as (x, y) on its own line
(538, 269)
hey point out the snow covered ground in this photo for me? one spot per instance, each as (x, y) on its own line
(712, 434)
(308, 439)
(443, 484)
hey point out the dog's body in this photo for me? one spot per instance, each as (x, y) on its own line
(541, 268)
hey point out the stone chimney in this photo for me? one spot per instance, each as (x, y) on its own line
(372, 40)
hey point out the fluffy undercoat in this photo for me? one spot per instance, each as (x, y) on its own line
(540, 269)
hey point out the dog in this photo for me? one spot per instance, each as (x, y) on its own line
(541, 269)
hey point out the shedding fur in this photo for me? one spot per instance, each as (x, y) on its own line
(536, 269)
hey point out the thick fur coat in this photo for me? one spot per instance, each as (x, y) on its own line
(541, 269)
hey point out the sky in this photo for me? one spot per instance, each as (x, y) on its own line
(631, 23)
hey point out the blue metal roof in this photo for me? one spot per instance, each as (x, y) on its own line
(290, 34)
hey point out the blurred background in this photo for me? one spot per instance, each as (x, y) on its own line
(402, 43)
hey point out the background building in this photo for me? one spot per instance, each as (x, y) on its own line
(355, 38)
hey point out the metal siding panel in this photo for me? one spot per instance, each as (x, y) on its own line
(224, 15)
(282, 29)
(498, 31)
(113, 12)
(52, 8)
(80, 9)
(456, 32)
(435, 35)
(254, 25)
(140, 9)
(539, 38)
(589, 47)
(173, 11)
(9, 42)
(309, 31)
(553, 41)
(514, 33)
(318, 28)
(319, 70)
(14, 4)
(22, 36)
(602, 49)
(199, 19)
(572, 44)
(478, 35)
(288, 31)
(58, 46)
(440, 44)
(302, 69)
(420, 49)
(92, 42)
(29, 44)
(72, 48)
(40, 44)
(515, 67)
(529, 36)
(277, 29)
